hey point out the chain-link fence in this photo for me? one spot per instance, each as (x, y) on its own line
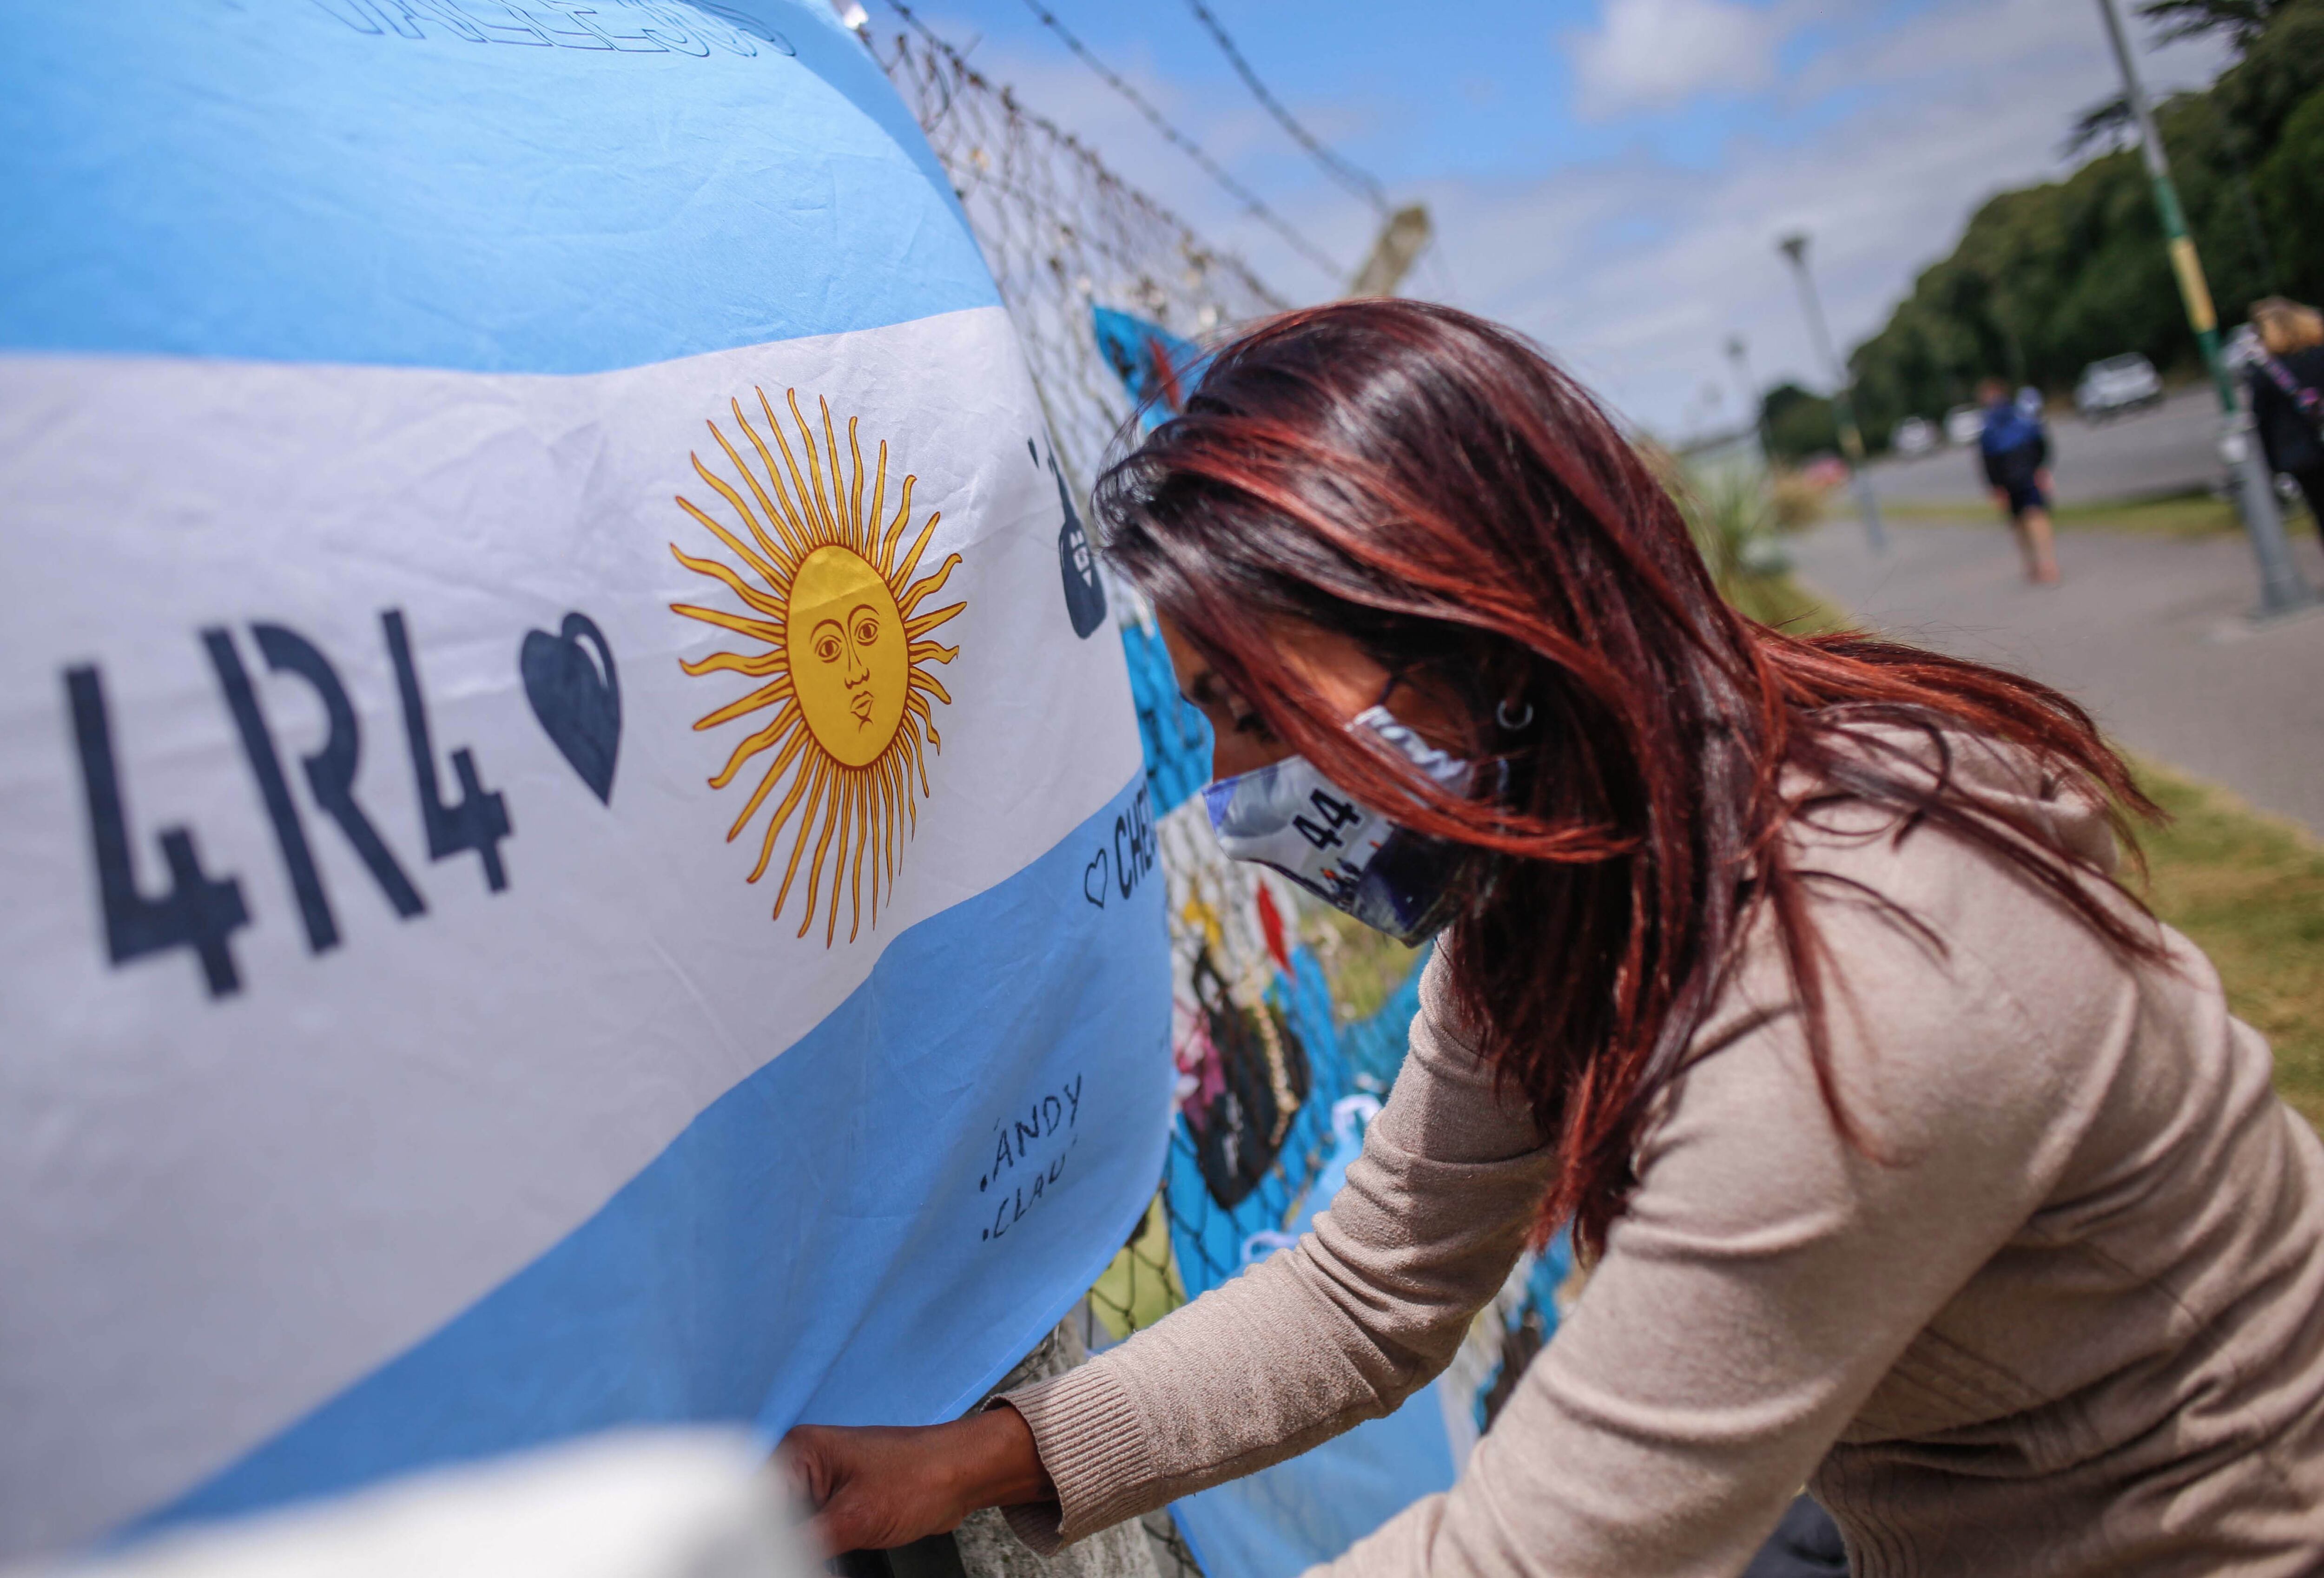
(1275, 1075)
(1062, 233)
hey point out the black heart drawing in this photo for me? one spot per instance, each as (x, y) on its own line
(1095, 891)
(579, 707)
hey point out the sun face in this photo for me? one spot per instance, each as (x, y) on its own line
(842, 649)
(846, 655)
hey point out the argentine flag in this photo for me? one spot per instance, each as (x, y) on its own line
(569, 805)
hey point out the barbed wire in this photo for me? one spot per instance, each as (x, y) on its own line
(1360, 182)
(1252, 203)
(1062, 233)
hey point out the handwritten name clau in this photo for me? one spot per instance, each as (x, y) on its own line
(1029, 1155)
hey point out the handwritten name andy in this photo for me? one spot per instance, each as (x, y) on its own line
(1028, 1156)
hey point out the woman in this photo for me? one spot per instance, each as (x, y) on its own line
(2287, 391)
(1919, 1163)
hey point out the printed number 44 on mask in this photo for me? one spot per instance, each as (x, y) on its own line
(202, 912)
(1289, 816)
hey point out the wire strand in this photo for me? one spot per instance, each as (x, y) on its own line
(1087, 156)
(1250, 200)
(1061, 234)
(1359, 182)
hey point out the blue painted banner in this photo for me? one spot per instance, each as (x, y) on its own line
(1158, 368)
(574, 822)
(1285, 1519)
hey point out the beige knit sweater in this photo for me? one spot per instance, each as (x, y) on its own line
(2071, 1323)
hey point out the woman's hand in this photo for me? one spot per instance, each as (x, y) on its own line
(874, 1487)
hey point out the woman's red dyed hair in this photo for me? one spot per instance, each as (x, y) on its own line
(1430, 485)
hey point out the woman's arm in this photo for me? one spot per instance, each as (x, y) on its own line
(875, 1487)
(1366, 1309)
(1338, 1329)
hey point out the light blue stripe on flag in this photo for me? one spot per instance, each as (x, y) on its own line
(851, 1235)
(482, 185)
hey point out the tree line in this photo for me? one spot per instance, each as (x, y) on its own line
(2050, 278)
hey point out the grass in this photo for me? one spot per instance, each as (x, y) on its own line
(2248, 890)
(2179, 515)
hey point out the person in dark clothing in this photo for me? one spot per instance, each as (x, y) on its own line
(2015, 452)
(2287, 395)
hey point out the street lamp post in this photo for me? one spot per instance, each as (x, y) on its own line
(1740, 354)
(2282, 589)
(1795, 248)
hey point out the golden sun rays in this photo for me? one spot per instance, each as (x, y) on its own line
(842, 650)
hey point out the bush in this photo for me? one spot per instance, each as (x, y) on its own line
(1795, 499)
(1798, 423)
(1733, 524)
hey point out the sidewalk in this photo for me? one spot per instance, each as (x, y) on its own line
(2147, 632)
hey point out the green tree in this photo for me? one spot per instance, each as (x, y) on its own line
(2290, 186)
(2050, 278)
(2278, 70)
(2243, 20)
(1798, 423)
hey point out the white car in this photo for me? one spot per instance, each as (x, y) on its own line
(1964, 423)
(1913, 435)
(2115, 385)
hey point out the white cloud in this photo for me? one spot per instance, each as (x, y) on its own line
(1968, 98)
(1634, 271)
(1645, 54)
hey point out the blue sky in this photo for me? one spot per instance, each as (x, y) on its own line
(1608, 175)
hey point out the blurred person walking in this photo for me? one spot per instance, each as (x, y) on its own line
(2014, 450)
(2287, 395)
(1914, 1157)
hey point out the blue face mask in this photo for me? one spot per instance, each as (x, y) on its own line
(1291, 817)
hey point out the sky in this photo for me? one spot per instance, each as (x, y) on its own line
(1608, 176)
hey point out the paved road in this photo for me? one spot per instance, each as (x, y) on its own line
(2146, 631)
(2166, 449)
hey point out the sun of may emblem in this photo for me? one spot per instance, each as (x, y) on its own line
(843, 650)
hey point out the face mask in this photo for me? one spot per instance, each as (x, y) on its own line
(1290, 816)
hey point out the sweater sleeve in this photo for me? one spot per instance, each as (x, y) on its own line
(1768, 1275)
(1363, 1311)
